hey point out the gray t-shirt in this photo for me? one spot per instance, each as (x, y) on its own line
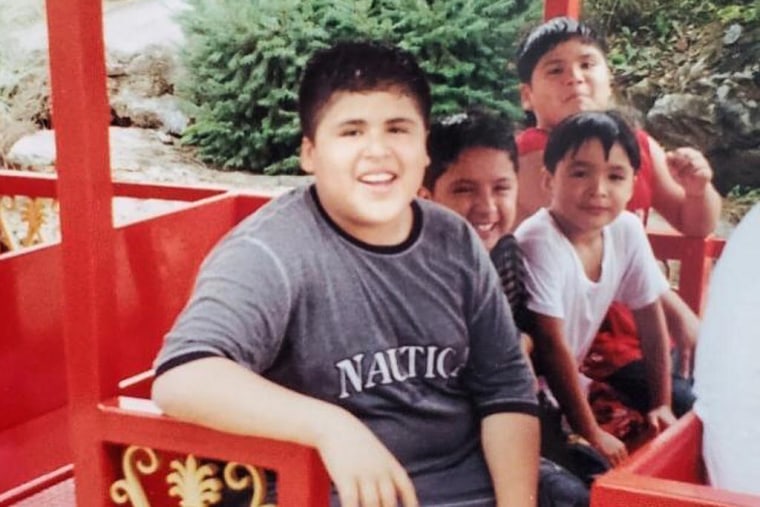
(414, 339)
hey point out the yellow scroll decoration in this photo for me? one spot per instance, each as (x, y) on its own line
(7, 203)
(33, 213)
(129, 488)
(237, 481)
(195, 485)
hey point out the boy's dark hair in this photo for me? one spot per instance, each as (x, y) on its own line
(547, 36)
(452, 135)
(609, 127)
(358, 66)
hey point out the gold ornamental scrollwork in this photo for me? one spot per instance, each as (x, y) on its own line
(196, 485)
(7, 203)
(129, 488)
(32, 212)
(240, 477)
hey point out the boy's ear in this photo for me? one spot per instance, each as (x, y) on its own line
(547, 180)
(526, 95)
(424, 193)
(306, 155)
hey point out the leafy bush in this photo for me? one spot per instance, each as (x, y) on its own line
(661, 18)
(644, 34)
(245, 59)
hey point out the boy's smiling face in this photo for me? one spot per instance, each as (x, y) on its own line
(589, 189)
(571, 78)
(368, 157)
(481, 186)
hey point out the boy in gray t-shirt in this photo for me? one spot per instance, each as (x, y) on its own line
(353, 318)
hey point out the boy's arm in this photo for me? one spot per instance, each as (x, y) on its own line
(682, 191)
(650, 322)
(683, 326)
(533, 193)
(223, 395)
(558, 365)
(511, 447)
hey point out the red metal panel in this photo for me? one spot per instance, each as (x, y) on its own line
(32, 373)
(554, 8)
(28, 184)
(34, 454)
(667, 472)
(156, 264)
(80, 117)
(696, 255)
(302, 479)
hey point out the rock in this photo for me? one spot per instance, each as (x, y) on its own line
(735, 168)
(163, 113)
(732, 34)
(141, 90)
(683, 119)
(144, 155)
(642, 95)
(33, 152)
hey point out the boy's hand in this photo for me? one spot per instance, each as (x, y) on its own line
(660, 418)
(364, 472)
(690, 169)
(610, 446)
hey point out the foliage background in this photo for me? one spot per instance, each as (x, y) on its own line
(246, 58)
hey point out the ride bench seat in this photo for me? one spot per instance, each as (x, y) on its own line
(666, 472)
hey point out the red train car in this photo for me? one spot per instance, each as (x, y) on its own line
(78, 426)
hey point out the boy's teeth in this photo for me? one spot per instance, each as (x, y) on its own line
(376, 178)
(484, 227)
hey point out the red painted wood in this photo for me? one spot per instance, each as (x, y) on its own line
(302, 479)
(122, 287)
(27, 184)
(697, 257)
(35, 448)
(667, 472)
(555, 8)
(80, 118)
(54, 489)
(32, 373)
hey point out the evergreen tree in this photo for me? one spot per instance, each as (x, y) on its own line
(245, 57)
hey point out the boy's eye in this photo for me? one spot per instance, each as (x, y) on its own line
(349, 132)
(617, 177)
(396, 129)
(553, 71)
(577, 173)
(462, 190)
(503, 189)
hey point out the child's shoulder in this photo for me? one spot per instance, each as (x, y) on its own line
(536, 226)
(627, 222)
(439, 218)
(539, 237)
(445, 230)
(287, 218)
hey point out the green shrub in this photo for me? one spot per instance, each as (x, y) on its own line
(245, 58)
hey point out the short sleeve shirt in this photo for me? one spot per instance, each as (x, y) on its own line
(416, 339)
